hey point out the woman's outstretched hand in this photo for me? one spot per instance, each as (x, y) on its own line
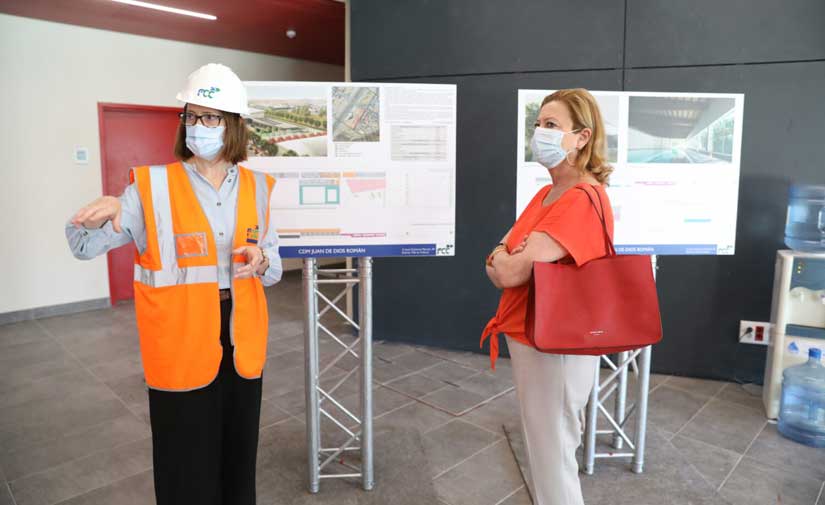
(98, 212)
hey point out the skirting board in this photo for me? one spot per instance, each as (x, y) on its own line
(54, 310)
(104, 303)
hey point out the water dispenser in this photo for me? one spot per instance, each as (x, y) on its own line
(797, 317)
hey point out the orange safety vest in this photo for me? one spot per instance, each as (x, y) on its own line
(176, 281)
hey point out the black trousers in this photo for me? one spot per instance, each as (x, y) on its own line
(205, 442)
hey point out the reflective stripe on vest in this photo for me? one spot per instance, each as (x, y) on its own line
(164, 278)
(176, 281)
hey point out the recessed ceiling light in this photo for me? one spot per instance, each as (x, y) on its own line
(164, 8)
(291, 34)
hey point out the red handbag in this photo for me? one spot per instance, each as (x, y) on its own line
(605, 306)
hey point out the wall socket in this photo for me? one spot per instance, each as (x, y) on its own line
(759, 334)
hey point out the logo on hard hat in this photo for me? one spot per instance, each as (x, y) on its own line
(208, 92)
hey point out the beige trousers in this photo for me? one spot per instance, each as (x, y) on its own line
(552, 391)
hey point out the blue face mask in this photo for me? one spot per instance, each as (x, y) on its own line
(204, 142)
(546, 146)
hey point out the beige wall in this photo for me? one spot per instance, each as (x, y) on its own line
(52, 77)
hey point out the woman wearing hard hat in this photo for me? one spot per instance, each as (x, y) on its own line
(206, 248)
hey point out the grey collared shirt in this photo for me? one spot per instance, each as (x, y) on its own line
(219, 207)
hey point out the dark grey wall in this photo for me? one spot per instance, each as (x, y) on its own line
(773, 52)
(454, 37)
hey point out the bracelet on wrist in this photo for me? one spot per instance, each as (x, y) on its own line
(495, 251)
(264, 263)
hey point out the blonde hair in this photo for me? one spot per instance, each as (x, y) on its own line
(586, 114)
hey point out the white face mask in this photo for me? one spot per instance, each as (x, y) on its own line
(546, 146)
(204, 142)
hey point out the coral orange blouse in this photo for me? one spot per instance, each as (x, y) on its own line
(571, 221)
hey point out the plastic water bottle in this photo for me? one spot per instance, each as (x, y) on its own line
(802, 409)
(805, 225)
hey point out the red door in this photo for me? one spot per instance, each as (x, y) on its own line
(130, 136)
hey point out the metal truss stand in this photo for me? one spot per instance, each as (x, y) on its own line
(322, 459)
(616, 383)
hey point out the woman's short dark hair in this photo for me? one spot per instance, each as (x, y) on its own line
(235, 139)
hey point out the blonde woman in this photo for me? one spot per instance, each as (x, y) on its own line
(559, 224)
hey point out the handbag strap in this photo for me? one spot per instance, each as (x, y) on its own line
(611, 251)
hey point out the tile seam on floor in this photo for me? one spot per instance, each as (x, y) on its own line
(86, 429)
(29, 382)
(301, 334)
(687, 390)
(694, 416)
(452, 419)
(487, 401)
(374, 417)
(651, 390)
(426, 350)
(446, 385)
(821, 490)
(440, 425)
(135, 414)
(409, 351)
(395, 409)
(121, 400)
(465, 411)
(300, 419)
(69, 434)
(74, 460)
(436, 407)
(483, 428)
(36, 401)
(282, 421)
(326, 376)
(416, 372)
(509, 495)
(8, 488)
(288, 415)
(59, 343)
(741, 458)
(701, 474)
(657, 386)
(756, 409)
(101, 487)
(442, 473)
(88, 370)
(797, 472)
(706, 444)
(389, 386)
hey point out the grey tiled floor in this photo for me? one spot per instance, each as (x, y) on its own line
(74, 421)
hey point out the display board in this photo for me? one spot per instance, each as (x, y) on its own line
(361, 169)
(676, 157)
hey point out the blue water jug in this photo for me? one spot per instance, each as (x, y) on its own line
(805, 225)
(802, 408)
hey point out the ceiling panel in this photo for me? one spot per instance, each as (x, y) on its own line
(250, 25)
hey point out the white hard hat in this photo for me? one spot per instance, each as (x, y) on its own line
(216, 86)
